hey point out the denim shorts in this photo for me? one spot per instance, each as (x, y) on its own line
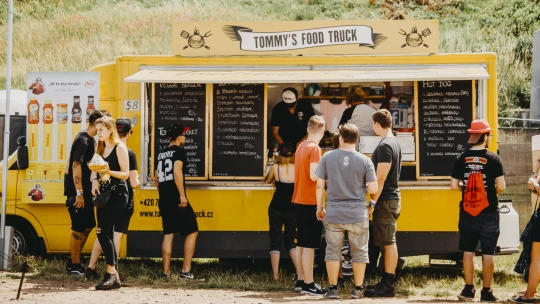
(277, 220)
(358, 234)
(483, 228)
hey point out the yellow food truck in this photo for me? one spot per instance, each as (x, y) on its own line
(223, 80)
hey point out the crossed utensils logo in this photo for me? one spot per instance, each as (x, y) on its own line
(195, 41)
(414, 39)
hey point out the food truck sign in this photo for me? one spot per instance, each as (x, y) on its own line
(305, 37)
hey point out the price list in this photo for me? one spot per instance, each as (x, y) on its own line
(238, 130)
(186, 104)
(445, 112)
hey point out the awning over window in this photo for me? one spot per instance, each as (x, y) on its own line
(308, 76)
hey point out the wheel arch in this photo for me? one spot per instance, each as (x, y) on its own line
(29, 219)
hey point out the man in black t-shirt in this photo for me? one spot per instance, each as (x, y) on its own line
(387, 161)
(290, 118)
(478, 163)
(176, 212)
(77, 189)
(123, 126)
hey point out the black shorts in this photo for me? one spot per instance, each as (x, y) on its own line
(121, 223)
(81, 218)
(278, 219)
(483, 228)
(309, 229)
(178, 219)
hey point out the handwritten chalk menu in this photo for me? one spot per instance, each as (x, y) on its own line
(238, 132)
(186, 104)
(445, 112)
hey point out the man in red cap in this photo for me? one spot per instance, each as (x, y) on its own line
(479, 175)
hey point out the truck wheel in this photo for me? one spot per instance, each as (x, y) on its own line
(24, 238)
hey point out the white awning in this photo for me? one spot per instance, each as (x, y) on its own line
(307, 76)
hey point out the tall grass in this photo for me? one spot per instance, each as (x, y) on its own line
(74, 35)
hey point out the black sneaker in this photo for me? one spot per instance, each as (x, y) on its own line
(487, 296)
(383, 290)
(299, 285)
(110, 281)
(190, 276)
(519, 299)
(467, 294)
(313, 289)
(76, 270)
(91, 274)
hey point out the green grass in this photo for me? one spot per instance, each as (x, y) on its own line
(417, 279)
(75, 35)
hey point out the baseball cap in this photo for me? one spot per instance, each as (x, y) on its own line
(175, 130)
(478, 127)
(123, 125)
(289, 95)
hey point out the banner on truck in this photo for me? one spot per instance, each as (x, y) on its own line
(58, 106)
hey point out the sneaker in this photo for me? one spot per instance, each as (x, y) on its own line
(91, 274)
(519, 299)
(312, 289)
(383, 290)
(110, 281)
(467, 294)
(358, 294)
(76, 270)
(190, 276)
(487, 296)
(299, 285)
(332, 294)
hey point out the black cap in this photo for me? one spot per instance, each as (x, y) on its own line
(123, 125)
(175, 130)
(286, 149)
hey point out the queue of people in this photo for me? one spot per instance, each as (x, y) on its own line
(114, 183)
(301, 174)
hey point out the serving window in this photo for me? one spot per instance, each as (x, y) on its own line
(231, 136)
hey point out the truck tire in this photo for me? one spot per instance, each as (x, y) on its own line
(25, 240)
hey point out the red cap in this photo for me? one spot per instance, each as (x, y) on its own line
(478, 127)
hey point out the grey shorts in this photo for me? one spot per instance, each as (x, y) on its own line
(384, 222)
(358, 234)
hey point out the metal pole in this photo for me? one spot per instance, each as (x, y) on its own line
(535, 81)
(6, 127)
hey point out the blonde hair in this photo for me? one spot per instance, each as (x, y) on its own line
(284, 160)
(315, 124)
(109, 123)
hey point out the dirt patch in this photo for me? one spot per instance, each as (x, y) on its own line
(69, 291)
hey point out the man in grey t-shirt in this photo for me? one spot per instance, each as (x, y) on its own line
(350, 175)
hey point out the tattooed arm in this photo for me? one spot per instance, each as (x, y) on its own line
(77, 180)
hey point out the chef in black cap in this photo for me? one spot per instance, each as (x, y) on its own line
(290, 117)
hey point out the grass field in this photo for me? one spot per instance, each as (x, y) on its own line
(416, 279)
(75, 35)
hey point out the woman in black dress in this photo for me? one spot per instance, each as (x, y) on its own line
(114, 177)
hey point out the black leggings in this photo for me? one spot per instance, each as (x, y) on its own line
(106, 219)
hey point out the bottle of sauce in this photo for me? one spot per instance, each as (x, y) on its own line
(62, 113)
(48, 112)
(90, 107)
(76, 111)
(33, 112)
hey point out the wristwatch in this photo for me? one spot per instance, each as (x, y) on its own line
(79, 192)
(372, 203)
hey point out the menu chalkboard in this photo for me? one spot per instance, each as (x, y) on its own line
(238, 131)
(445, 112)
(186, 104)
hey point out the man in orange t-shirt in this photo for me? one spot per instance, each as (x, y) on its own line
(309, 228)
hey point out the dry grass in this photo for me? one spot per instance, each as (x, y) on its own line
(417, 279)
